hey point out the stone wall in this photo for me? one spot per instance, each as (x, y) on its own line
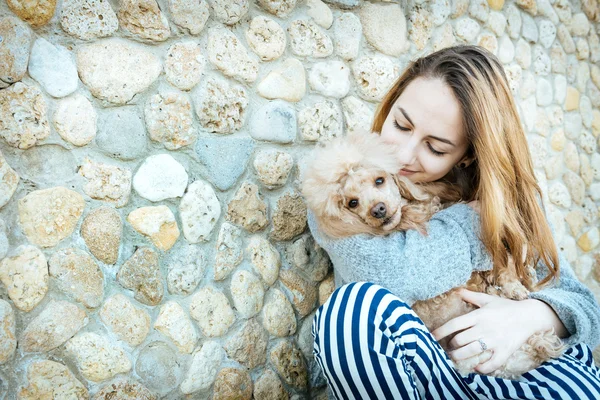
(152, 238)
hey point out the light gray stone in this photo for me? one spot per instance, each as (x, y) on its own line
(274, 122)
(184, 64)
(307, 39)
(225, 159)
(330, 78)
(160, 177)
(159, 368)
(199, 210)
(121, 133)
(287, 81)
(347, 31)
(75, 120)
(384, 27)
(211, 309)
(14, 52)
(189, 15)
(205, 364)
(247, 292)
(173, 322)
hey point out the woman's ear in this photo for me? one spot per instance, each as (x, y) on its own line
(465, 161)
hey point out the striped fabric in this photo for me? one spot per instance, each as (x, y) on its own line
(371, 345)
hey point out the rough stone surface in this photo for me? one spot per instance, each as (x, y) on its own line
(320, 122)
(141, 273)
(106, 182)
(129, 323)
(304, 293)
(264, 258)
(278, 314)
(373, 77)
(169, 119)
(286, 81)
(229, 12)
(228, 250)
(289, 363)
(173, 322)
(48, 216)
(211, 309)
(52, 380)
(199, 210)
(9, 180)
(320, 12)
(56, 324)
(384, 27)
(115, 70)
(347, 31)
(157, 223)
(76, 274)
(280, 8)
(266, 38)
(190, 15)
(221, 107)
(124, 389)
(232, 383)
(14, 52)
(307, 39)
(75, 120)
(330, 78)
(8, 340)
(159, 368)
(247, 293)
(160, 177)
(96, 357)
(102, 230)
(274, 122)
(248, 345)
(186, 269)
(269, 386)
(247, 208)
(273, 167)
(25, 276)
(53, 67)
(306, 255)
(226, 52)
(204, 367)
(88, 19)
(23, 120)
(144, 19)
(36, 13)
(289, 218)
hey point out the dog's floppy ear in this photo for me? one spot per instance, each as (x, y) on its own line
(409, 190)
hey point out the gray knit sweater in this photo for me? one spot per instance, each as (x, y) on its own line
(416, 267)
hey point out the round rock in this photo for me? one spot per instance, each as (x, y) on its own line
(304, 293)
(170, 120)
(144, 19)
(160, 177)
(9, 180)
(23, 120)
(77, 275)
(14, 52)
(247, 208)
(53, 67)
(102, 230)
(25, 276)
(141, 273)
(36, 13)
(226, 52)
(159, 367)
(347, 32)
(157, 223)
(221, 107)
(51, 380)
(129, 323)
(384, 27)
(278, 314)
(105, 182)
(273, 167)
(229, 12)
(124, 389)
(173, 322)
(75, 120)
(189, 15)
(121, 133)
(289, 363)
(229, 252)
(322, 121)
(8, 340)
(211, 309)
(247, 293)
(280, 8)
(88, 19)
(373, 77)
(232, 383)
(266, 38)
(330, 78)
(265, 259)
(224, 159)
(287, 82)
(204, 367)
(248, 345)
(274, 122)
(115, 70)
(307, 39)
(199, 210)
(184, 64)
(186, 269)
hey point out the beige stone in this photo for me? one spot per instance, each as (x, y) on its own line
(247, 292)
(289, 218)
(144, 19)
(269, 386)
(304, 293)
(127, 322)
(572, 100)
(56, 324)
(170, 120)
(384, 27)
(289, 363)
(266, 38)
(287, 82)
(157, 223)
(265, 259)
(52, 380)
(278, 314)
(8, 340)
(37, 12)
(25, 276)
(141, 273)
(247, 208)
(97, 358)
(124, 389)
(589, 240)
(102, 230)
(173, 322)
(496, 4)
(184, 66)
(248, 345)
(78, 276)
(106, 182)
(232, 383)
(211, 309)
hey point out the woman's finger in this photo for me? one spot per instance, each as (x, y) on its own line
(464, 338)
(468, 351)
(454, 325)
(477, 298)
(497, 360)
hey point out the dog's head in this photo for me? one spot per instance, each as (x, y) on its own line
(352, 187)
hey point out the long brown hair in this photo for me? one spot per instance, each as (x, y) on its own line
(501, 177)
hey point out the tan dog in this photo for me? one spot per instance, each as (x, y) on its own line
(351, 185)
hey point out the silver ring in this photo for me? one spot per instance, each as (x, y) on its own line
(483, 345)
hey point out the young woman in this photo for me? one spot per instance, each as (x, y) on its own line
(454, 118)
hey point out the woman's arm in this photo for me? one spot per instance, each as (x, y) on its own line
(410, 265)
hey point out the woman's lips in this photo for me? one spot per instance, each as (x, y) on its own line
(406, 172)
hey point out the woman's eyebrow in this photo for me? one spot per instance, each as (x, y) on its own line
(403, 111)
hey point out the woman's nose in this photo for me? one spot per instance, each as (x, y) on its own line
(406, 156)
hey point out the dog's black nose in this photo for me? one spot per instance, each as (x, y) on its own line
(378, 211)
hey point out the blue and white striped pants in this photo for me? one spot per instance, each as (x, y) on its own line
(371, 345)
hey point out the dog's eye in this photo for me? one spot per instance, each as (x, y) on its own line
(353, 203)
(379, 181)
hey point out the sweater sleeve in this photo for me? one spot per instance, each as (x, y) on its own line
(411, 265)
(573, 302)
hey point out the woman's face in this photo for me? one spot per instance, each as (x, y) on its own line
(426, 125)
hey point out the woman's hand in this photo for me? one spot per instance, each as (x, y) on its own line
(503, 325)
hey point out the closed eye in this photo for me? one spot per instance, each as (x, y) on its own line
(400, 127)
